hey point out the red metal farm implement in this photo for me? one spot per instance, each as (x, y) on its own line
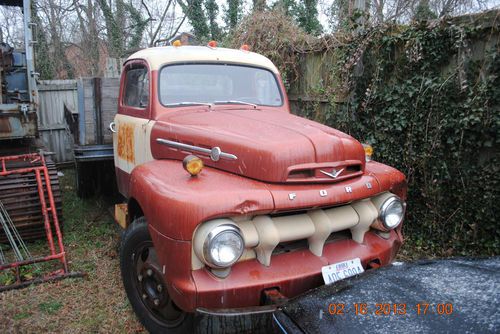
(12, 166)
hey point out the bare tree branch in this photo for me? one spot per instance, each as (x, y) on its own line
(177, 29)
(155, 34)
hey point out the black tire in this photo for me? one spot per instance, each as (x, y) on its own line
(144, 283)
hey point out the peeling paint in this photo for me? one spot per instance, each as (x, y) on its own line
(126, 142)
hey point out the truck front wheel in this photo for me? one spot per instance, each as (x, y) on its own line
(143, 281)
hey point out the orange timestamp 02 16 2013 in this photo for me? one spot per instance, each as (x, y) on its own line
(385, 309)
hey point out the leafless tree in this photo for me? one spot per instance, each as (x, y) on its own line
(10, 19)
(166, 20)
(401, 11)
(88, 17)
(77, 31)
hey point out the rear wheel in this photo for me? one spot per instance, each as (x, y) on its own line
(143, 280)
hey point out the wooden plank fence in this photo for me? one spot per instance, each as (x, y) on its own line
(57, 99)
(76, 112)
(98, 103)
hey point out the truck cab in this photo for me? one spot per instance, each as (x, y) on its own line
(230, 196)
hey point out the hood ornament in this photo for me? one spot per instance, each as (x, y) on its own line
(215, 153)
(334, 174)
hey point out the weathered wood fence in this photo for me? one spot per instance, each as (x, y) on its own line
(76, 112)
(97, 106)
(58, 101)
(315, 69)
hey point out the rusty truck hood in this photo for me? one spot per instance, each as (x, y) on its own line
(271, 146)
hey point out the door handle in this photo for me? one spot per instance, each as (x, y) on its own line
(112, 127)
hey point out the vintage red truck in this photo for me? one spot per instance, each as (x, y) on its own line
(230, 197)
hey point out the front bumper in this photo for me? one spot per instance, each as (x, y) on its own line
(291, 273)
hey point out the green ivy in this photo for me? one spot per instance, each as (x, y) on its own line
(428, 99)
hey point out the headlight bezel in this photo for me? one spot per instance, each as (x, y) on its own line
(211, 237)
(384, 208)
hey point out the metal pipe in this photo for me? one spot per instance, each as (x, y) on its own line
(30, 59)
(31, 261)
(2, 256)
(44, 212)
(8, 233)
(56, 220)
(18, 245)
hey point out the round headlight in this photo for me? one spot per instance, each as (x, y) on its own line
(392, 212)
(223, 246)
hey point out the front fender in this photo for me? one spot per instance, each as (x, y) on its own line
(174, 202)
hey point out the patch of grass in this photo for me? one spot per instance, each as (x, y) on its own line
(6, 278)
(21, 315)
(50, 307)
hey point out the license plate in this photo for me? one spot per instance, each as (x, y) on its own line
(338, 271)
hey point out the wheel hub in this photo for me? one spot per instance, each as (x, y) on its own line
(151, 287)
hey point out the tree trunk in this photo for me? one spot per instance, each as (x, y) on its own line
(259, 5)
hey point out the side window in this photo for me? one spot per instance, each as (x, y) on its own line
(136, 92)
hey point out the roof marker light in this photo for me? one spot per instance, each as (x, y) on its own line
(177, 43)
(212, 44)
(245, 47)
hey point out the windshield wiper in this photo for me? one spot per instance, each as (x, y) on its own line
(236, 102)
(189, 104)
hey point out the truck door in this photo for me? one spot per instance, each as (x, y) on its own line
(132, 124)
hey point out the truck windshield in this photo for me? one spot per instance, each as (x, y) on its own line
(189, 84)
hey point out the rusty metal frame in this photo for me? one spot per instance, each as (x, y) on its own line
(39, 167)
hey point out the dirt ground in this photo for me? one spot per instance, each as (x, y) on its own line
(97, 303)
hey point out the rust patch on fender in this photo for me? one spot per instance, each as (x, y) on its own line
(126, 142)
(255, 274)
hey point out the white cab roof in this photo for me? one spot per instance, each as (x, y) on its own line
(159, 56)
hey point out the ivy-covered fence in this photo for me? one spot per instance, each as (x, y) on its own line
(427, 97)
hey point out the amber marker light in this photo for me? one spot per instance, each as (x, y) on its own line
(192, 164)
(212, 44)
(177, 43)
(368, 151)
(245, 47)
